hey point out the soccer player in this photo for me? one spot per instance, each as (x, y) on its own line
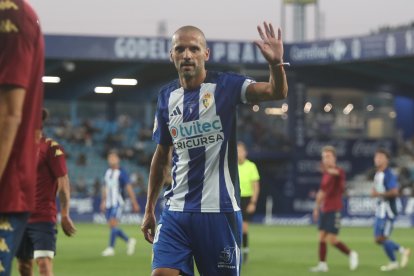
(385, 191)
(39, 238)
(21, 96)
(196, 120)
(328, 209)
(116, 182)
(249, 192)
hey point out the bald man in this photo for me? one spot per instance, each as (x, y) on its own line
(196, 122)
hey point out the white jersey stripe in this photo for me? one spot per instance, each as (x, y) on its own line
(229, 182)
(211, 189)
(177, 201)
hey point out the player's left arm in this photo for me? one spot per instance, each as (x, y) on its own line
(64, 198)
(131, 194)
(271, 46)
(251, 208)
(320, 196)
(57, 164)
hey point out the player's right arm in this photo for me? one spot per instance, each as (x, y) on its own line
(159, 170)
(11, 111)
(320, 195)
(103, 200)
(64, 198)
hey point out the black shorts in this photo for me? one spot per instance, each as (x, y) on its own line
(39, 240)
(330, 222)
(244, 203)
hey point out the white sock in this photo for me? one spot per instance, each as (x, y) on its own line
(401, 250)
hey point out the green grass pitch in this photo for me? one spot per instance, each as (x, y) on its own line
(274, 250)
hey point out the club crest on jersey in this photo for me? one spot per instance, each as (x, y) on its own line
(207, 99)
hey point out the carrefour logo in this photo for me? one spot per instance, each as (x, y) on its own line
(196, 128)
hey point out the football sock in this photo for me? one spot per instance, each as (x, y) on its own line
(122, 235)
(322, 251)
(389, 247)
(245, 240)
(112, 237)
(343, 248)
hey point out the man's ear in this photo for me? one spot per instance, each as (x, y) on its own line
(171, 59)
(207, 56)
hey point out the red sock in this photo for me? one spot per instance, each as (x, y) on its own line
(343, 248)
(322, 251)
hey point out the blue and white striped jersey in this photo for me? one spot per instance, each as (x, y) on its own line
(385, 181)
(201, 125)
(115, 182)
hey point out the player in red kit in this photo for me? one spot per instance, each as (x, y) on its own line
(328, 209)
(21, 96)
(39, 239)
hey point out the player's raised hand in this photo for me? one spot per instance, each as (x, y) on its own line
(148, 226)
(67, 226)
(270, 44)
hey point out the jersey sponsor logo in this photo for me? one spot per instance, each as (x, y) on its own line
(7, 26)
(8, 5)
(2, 269)
(196, 128)
(3, 246)
(197, 133)
(207, 100)
(226, 258)
(199, 141)
(5, 224)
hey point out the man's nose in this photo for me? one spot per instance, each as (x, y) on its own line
(187, 54)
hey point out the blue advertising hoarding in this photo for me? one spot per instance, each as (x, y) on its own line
(148, 49)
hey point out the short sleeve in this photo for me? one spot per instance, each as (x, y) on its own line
(391, 181)
(255, 173)
(161, 134)
(56, 161)
(124, 178)
(236, 86)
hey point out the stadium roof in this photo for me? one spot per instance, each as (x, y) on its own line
(381, 62)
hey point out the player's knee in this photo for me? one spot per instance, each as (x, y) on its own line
(380, 240)
(332, 240)
(165, 272)
(113, 223)
(25, 267)
(45, 266)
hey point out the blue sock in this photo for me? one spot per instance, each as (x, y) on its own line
(390, 247)
(122, 235)
(112, 236)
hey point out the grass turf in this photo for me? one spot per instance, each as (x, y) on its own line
(274, 250)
